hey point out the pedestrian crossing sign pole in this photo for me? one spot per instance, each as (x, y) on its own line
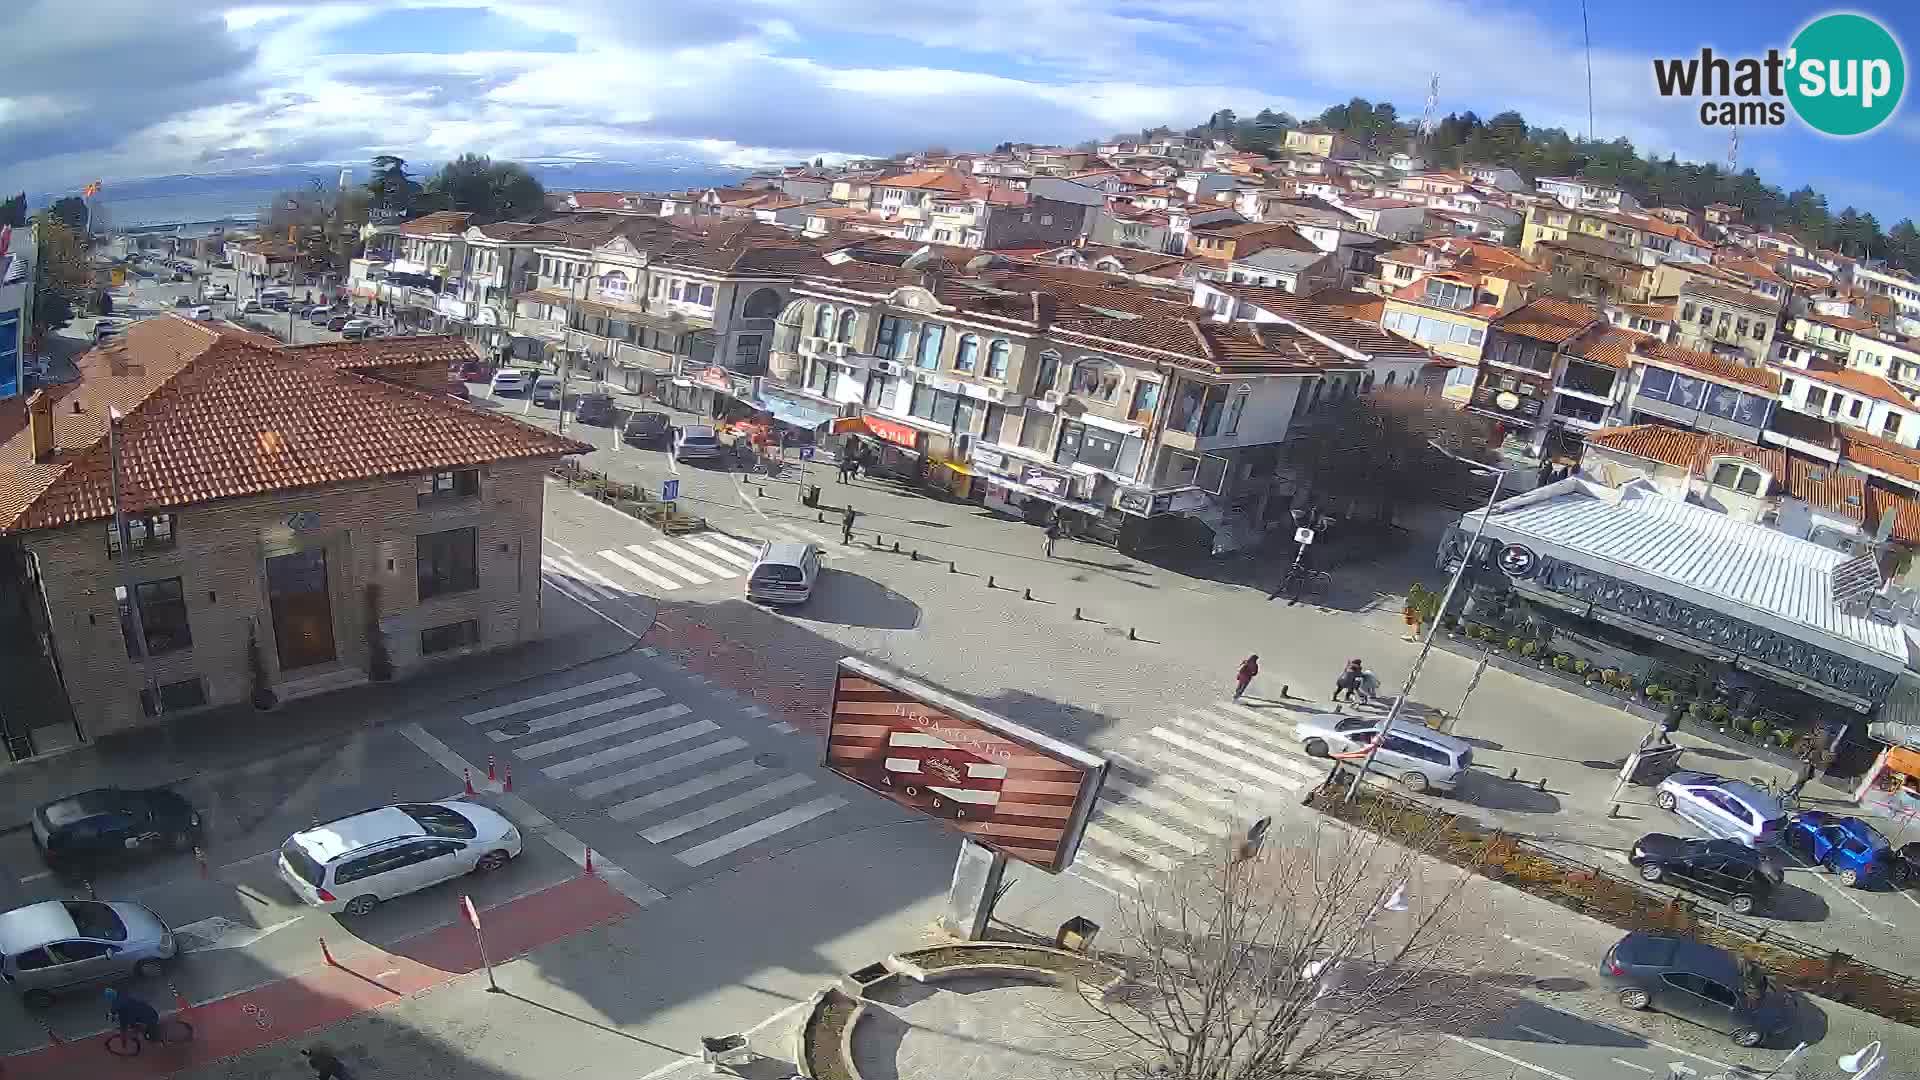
(670, 492)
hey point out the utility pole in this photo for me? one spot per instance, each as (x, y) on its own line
(122, 529)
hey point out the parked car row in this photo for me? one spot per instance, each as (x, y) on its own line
(348, 866)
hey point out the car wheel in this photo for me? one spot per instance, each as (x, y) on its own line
(1316, 748)
(361, 905)
(1650, 872)
(491, 861)
(38, 999)
(1850, 877)
(1415, 782)
(1664, 800)
(1747, 1037)
(1741, 905)
(1635, 998)
(149, 968)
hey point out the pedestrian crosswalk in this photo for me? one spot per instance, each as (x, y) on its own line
(1190, 786)
(667, 565)
(648, 764)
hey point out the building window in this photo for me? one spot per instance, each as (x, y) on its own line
(935, 405)
(447, 562)
(460, 635)
(452, 484)
(818, 371)
(1037, 432)
(1084, 445)
(613, 285)
(928, 355)
(148, 532)
(1740, 328)
(997, 360)
(673, 290)
(846, 327)
(175, 696)
(1738, 476)
(822, 320)
(163, 615)
(1891, 425)
(1096, 378)
(1146, 395)
(654, 290)
(1239, 406)
(997, 419)
(967, 354)
(706, 296)
(880, 391)
(1048, 376)
(1853, 408)
(1786, 387)
(1816, 398)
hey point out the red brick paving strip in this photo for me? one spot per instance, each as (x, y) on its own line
(369, 978)
(800, 699)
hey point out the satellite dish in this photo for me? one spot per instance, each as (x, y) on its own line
(987, 261)
(918, 260)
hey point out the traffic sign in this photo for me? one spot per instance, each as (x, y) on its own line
(806, 453)
(669, 490)
(1303, 535)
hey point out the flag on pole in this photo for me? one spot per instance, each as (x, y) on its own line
(90, 190)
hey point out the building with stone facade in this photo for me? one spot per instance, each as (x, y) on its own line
(326, 514)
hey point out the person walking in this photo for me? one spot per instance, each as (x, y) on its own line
(846, 525)
(1248, 669)
(1803, 777)
(1349, 681)
(325, 1065)
(848, 463)
(1054, 532)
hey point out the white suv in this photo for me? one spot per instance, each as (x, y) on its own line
(352, 864)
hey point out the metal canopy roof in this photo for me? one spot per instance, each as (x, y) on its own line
(1750, 572)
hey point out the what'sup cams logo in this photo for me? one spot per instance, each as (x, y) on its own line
(1843, 75)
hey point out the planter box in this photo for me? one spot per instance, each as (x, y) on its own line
(1550, 676)
(1710, 731)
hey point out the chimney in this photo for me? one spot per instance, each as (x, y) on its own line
(40, 424)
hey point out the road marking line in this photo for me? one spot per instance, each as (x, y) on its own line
(1166, 804)
(1293, 765)
(1166, 777)
(618, 590)
(532, 820)
(1510, 1059)
(750, 550)
(628, 750)
(667, 796)
(572, 590)
(781, 727)
(1538, 1034)
(701, 854)
(1631, 1065)
(1106, 838)
(1247, 712)
(659, 768)
(556, 545)
(1541, 949)
(36, 877)
(1126, 879)
(726, 808)
(582, 712)
(1142, 823)
(639, 571)
(667, 564)
(600, 731)
(1671, 1049)
(1237, 790)
(539, 701)
(572, 579)
(719, 551)
(1195, 746)
(1252, 731)
(1838, 890)
(694, 557)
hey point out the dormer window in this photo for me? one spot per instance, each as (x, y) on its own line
(1738, 474)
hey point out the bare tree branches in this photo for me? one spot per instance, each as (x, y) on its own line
(1331, 953)
(1373, 449)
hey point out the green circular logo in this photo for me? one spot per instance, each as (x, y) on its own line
(1847, 74)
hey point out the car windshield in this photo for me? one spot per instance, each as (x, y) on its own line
(440, 821)
(699, 440)
(772, 572)
(302, 864)
(96, 920)
(68, 811)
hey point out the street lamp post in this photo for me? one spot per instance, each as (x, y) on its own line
(1446, 601)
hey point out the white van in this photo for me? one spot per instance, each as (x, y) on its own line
(784, 574)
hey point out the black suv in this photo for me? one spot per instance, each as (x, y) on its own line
(593, 409)
(646, 428)
(1734, 874)
(107, 823)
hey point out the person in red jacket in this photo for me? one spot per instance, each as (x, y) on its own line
(1248, 669)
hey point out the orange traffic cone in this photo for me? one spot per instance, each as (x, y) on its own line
(466, 775)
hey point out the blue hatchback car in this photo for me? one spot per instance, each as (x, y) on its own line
(1851, 849)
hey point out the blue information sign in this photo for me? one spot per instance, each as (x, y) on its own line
(669, 490)
(806, 453)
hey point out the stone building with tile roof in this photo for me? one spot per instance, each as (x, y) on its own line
(307, 499)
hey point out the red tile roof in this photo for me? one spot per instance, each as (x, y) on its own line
(1842, 322)
(1882, 455)
(1709, 365)
(418, 350)
(1609, 345)
(1684, 449)
(1905, 508)
(436, 223)
(1549, 319)
(1864, 383)
(216, 415)
(1825, 488)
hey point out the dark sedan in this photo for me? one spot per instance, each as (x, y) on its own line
(106, 824)
(1698, 983)
(647, 428)
(1734, 874)
(594, 409)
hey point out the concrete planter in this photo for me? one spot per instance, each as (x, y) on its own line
(1710, 731)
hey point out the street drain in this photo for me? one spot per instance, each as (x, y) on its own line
(769, 761)
(515, 727)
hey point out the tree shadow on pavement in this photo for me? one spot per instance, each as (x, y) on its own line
(1487, 791)
(848, 599)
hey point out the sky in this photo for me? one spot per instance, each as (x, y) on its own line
(125, 88)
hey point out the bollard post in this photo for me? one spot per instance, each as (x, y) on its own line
(916, 554)
(1076, 615)
(990, 581)
(466, 777)
(179, 999)
(490, 775)
(326, 954)
(1513, 774)
(200, 857)
(896, 547)
(1132, 635)
(1285, 691)
(1542, 785)
(762, 490)
(589, 860)
(508, 786)
(1026, 594)
(1613, 810)
(952, 569)
(820, 516)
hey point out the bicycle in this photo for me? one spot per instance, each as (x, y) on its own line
(1789, 799)
(128, 1042)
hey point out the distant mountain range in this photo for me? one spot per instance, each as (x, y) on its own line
(199, 197)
